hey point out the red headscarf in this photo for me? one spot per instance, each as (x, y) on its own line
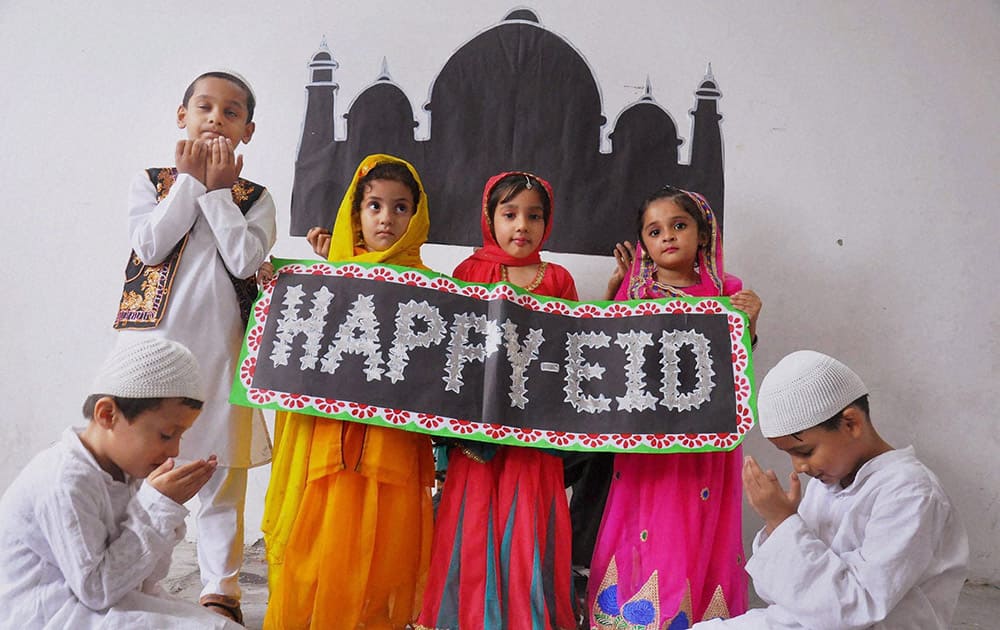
(489, 258)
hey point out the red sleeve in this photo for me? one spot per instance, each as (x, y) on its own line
(570, 291)
(562, 286)
(475, 270)
(462, 270)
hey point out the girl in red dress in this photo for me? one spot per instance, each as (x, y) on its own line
(500, 558)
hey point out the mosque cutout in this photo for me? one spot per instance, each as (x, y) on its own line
(515, 97)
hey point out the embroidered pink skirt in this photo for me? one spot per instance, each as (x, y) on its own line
(669, 552)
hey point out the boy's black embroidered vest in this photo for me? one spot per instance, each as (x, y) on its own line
(147, 287)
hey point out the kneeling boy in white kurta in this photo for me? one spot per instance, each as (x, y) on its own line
(83, 541)
(874, 543)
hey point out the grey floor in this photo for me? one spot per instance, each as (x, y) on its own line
(978, 606)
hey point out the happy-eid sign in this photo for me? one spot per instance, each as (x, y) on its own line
(420, 351)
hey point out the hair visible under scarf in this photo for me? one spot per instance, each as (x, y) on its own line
(641, 278)
(404, 252)
(491, 250)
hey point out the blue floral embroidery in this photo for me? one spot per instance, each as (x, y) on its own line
(639, 612)
(680, 622)
(608, 600)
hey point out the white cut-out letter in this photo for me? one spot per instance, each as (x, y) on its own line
(460, 352)
(577, 371)
(291, 325)
(405, 339)
(361, 319)
(672, 397)
(520, 357)
(636, 397)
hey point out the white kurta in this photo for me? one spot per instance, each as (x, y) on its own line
(886, 552)
(81, 550)
(203, 311)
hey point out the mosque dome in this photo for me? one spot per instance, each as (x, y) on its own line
(495, 78)
(645, 123)
(382, 110)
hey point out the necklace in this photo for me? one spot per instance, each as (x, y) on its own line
(673, 289)
(669, 289)
(539, 276)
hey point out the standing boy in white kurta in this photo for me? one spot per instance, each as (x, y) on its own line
(198, 234)
(874, 543)
(83, 541)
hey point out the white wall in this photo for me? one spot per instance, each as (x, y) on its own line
(861, 179)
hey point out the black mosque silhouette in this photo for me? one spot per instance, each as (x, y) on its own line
(515, 97)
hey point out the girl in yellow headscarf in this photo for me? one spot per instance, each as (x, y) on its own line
(348, 516)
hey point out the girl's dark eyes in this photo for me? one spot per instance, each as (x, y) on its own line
(511, 215)
(165, 437)
(402, 209)
(680, 226)
(374, 205)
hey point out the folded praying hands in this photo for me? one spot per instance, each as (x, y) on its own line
(213, 162)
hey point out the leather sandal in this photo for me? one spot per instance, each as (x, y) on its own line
(223, 605)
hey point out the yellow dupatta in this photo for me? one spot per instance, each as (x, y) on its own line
(404, 252)
(305, 449)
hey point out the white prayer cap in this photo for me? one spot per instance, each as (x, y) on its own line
(239, 77)
(150, 368)
(803, 390)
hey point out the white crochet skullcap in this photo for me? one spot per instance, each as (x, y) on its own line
(803, 390)
(150, 368)
(230, 72)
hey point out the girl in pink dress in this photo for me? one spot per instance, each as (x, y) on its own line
(669, 552)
